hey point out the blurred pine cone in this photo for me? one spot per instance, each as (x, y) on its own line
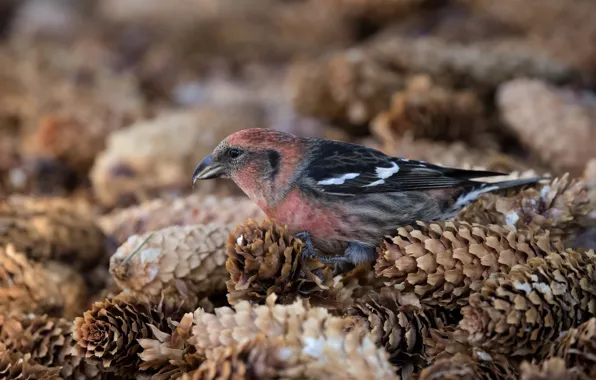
(521, 312)
(578, 348)
(426, 110)
(168, 148)
(264, 258)
(187, 258)
(27, 287)
(51, 231)
(48, 341)
(550, 369)
(442, 263)
(556, 124)
(192, 209)
(559, 206)
(20, 366)
(398, 324)
(108, 333)
(478, 366)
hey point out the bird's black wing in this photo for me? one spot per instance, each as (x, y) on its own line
(348, 169)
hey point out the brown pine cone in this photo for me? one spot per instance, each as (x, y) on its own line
(326, 346)
(556, 124)
(478, 366)
(558, 206)
(108, 333)
(258, 358)
(442, 263)
(578, 348)
(264, 258)
(550, 369)
(52, 231)
(521, 312)
(169, 355)
(188, 258)
(348, 88)
(192, 209)
(429, 111)
(167, 149)
(27, 287)
(18, 366)
(49, 342)
(399, 324)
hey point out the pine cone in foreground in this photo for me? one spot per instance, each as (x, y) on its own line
(190, 210)
(578, 348)
(325, 346)
(49, 342)
(523, 311)
(27, 287)
(399, 324)
(188, 258)
(264, 258)
(558, 206)
(108, 333)
(479, 366)
(550, 369)
(168, 355)
(51, 231)
(443, 262)
(257, 358)
(18, 366)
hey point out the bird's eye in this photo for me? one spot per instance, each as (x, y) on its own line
(234, 153)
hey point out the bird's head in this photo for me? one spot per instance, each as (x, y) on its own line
(255, 159)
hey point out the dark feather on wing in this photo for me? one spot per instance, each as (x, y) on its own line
(334, 159)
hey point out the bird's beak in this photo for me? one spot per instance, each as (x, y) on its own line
(207, 169)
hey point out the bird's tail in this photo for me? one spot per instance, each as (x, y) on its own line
(473, 192)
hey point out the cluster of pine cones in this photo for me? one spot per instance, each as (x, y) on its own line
(195, 293)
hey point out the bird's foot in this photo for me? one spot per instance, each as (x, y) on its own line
(309, 247)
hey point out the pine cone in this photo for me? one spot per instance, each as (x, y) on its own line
(51, 231)
(167, 149)
(523, 311)
(18, 366)
(71, 285)
(257, 358)
(550, 369)
(108, 333)
(578, 348)
(558, 207)
(347, 88)
(168, 355)
(264, 258)
(190, 210)
(555, 123)
(479, 366)
(398, 324)
(27, 287)
(483, 64)
(326, 346)
(443, 262)
(426, 110)
(188, 258)
(49, 342)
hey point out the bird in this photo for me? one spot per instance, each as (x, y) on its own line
(341, 199)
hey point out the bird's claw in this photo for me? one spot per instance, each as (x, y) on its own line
(309, 248)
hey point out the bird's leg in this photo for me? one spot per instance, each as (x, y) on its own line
(309, 247)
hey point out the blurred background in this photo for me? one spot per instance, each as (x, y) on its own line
(115, 101)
